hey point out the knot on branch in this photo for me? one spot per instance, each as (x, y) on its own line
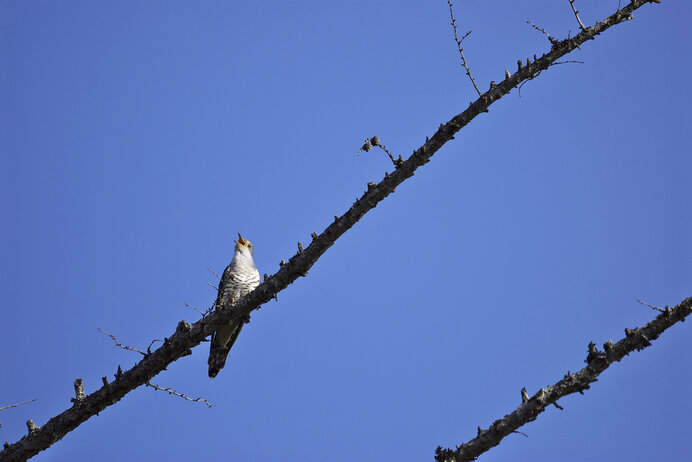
(593, 353)
(182, 327)
(32, 427)
(78, 391)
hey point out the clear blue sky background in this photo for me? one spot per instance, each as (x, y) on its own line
(137, 139)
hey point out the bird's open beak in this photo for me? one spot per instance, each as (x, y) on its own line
(241, 241)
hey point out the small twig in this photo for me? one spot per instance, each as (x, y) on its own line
(569, 37)
(461, 50)
(212, 285)
(521, 433)
(553, 41)
(576, 14)
(375, 141)
(539, 73)
(214, 273)
(124, 347)
(18, 404)
(199, 311)
(171, 391)
(651, 306)
(152, 343)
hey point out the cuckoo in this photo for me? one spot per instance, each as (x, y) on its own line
(239, 279)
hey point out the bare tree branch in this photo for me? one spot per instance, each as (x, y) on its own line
(18, 404)
(461, 50)
(124, 347)
(375, 141)
(597, 362)
(209, 310)
(171, 391)
(552, 41)
(660, 310)
(576, 14)
(214, 273)
(187, 336)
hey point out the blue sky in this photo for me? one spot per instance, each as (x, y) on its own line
(137, 139)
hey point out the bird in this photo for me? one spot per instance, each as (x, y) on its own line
(239, 279)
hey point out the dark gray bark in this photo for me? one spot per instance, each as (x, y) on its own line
(187, 336)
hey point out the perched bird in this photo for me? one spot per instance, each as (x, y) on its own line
(239, 279)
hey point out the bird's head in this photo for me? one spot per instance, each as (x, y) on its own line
(244, 246)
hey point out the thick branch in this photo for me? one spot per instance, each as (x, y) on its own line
(187, 336)
(598, 361)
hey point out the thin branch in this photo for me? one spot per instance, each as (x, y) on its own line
(171, 391)
(124, 347)
(660, 310)
(553, 41)
(521, 85)
(576, 14)
(461, 50)
(597, 362)
(187, 336)
(197, 310)
(375, 141)
(152, 344)
(18, 404)
(214, 273)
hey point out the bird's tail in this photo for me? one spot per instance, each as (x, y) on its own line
(218, 352)
(217, 359)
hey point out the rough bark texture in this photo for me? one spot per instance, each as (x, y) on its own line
(187, 336)
(597, 362)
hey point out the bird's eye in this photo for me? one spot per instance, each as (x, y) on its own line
(249, 245)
